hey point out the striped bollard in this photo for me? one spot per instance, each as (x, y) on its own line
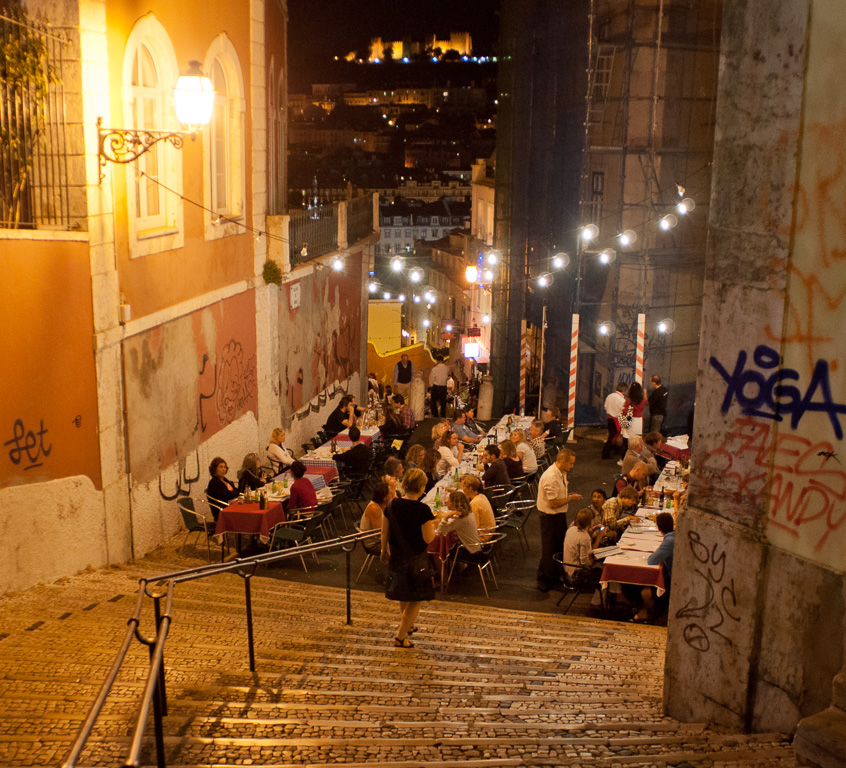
(523, 355)
(641, 335)
(574, 357)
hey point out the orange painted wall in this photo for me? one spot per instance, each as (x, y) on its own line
(156, 281)
(48, 411)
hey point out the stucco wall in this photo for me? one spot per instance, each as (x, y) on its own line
(757, 613)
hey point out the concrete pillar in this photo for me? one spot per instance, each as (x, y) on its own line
(417, 398)
(756, 621)
(486, 393)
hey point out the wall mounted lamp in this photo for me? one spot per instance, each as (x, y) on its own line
(194, 97)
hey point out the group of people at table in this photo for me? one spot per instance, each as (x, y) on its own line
(464, 462)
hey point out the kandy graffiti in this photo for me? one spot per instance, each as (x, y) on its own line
(769, 397)
(28, 442)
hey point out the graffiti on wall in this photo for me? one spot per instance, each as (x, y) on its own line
(27, 448)
(187, 380)
(185, 478)
(233, 383)
(712, 614)
(320, 341)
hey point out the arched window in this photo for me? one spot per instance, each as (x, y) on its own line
(149, 74)
(225, 167)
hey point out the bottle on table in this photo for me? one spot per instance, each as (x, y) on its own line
(284, 481)
(437, 500)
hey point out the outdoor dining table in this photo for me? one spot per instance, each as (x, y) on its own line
(369, 435)
(675, 448)
(631, 568)
(246, 518)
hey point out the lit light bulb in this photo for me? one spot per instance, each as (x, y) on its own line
(486, 319)
(416, 275)
(606, 328)
(545, 280)
(427, 323)
(337, 263)
(685, 206)
(386, 295)
(607, 256)
(668, 222)
(448, 328)
(662, 327)
(396, 264)
(627, 238)
(372, 287)
(603, 329)
(589, 232)
(560, 260)
(471, 274)
(488, 275)
(416, 299)
(493, 257)
(401, 297)
(667, 325)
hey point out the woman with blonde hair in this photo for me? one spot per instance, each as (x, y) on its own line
(414, 456)
(525, 452)
(407, 531)
(508, 454)
(461, 520)
(438, 432)
(278, 455)
(250, 476)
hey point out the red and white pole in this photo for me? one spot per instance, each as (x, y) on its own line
(574, 358)
(523, 365)
(641, 336)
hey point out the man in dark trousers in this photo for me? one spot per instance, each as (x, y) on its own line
(403, 373)
(657, 404)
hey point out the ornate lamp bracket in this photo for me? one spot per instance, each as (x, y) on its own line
(119, 145)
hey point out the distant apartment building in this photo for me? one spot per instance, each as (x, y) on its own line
(402, 223)
(429, 189)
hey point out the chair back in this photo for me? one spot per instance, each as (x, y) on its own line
(193, 521)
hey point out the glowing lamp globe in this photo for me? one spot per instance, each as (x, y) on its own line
(194, 97)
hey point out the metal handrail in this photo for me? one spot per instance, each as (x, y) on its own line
(153, 693)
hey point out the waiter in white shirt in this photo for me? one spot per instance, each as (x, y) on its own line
(553, 499)
(438, 387)
(613, 410)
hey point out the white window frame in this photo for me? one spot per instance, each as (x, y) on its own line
(231, 213)
(165, 231)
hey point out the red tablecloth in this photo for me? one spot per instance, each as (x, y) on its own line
(442, 545)
(248, 518)
(672, 452)
(345, 438)
(633, 573)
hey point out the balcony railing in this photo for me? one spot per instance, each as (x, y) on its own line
(305, 235)
(312, 234)
(41, 183)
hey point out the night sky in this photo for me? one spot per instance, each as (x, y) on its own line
(318, 30)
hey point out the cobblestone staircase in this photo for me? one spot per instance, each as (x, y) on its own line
(483, 687)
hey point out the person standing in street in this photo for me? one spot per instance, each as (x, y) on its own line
(553, 498)
(403, 373)
(438, 388)
(657, 404)
(613, 409)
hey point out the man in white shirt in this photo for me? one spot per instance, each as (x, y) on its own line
(451, 451)
(613, 409)
(438, 388)
(553, 498)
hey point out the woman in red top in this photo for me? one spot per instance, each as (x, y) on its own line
(636, 402)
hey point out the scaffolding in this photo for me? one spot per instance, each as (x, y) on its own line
(649, 122)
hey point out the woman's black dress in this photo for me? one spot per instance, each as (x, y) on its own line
(409, 576)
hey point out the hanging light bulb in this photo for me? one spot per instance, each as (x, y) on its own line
(560, 260)
(627, 238)
(493, 257)
(589, 232)
(416, 299)
(608, 256)
(448, 328)
(337, 263)
(396, 264)
(668, 222)
(488, 275)
(668, 325)
(486, 319)
(606, 328)
(401, 297)
(416, 275)
(686, 206)
(545, 280)
(386, 295)
(426, 322)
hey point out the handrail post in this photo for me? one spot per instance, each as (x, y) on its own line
(158, 725)
(348, 551)
(161, 691)
(248, 599)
